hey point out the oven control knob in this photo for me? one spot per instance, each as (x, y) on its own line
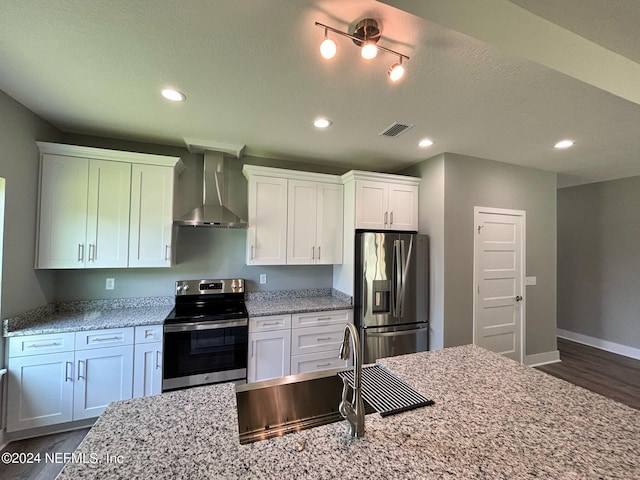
(185, 288)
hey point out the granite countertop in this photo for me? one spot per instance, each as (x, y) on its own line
(493, 419)
(296, 301)
(89, 315)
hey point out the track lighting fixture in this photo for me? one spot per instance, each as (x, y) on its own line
(365, 35)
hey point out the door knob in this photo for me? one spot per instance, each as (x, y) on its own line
(518, 298)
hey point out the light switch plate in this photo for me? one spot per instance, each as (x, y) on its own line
(263, 278)
(529, 280)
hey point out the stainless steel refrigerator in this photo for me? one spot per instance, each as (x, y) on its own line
(391, 293)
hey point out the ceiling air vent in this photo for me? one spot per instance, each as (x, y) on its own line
(395, 130)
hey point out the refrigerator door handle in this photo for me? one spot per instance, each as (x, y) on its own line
(396, 273)
(405, 258)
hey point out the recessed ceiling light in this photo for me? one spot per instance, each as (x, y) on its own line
(173, 95)
(322, 123)
(425, 142)
(564, 144)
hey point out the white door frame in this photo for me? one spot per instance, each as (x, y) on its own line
(523, 254)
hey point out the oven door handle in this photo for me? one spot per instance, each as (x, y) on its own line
(207, 325)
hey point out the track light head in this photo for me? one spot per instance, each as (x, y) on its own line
(328, 47)
(396, 71)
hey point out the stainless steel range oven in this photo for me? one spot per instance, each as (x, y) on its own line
(206, 334)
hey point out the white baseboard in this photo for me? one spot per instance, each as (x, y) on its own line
(599, 343)
(544, 358)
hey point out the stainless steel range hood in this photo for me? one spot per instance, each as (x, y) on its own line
(212, 212)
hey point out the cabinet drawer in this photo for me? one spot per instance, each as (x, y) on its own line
(269, 323)
(148, 334)
(314, 362)
(317, 339)
(104, 338)
(38, 344)
(313, 319)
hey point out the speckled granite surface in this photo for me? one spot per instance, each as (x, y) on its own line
(493, 419)
(89, 315)
(296, 301)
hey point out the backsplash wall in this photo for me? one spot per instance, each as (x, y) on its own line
(201, 253)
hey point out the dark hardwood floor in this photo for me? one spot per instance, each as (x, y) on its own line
(608, 374)
(46, 468)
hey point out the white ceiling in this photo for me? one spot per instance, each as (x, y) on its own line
(253, 76)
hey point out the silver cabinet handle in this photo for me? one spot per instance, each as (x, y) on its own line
(80, 363)
(92, 252)
(385, 217)
(391, 217)
(313, 253)
(167, 252)
(107, 339)
(80, 252)
(253, 252)
(319, 247)
(270, 324)
(42, 345)
(67, 377)
(158, 353)
(318, 365)
(323, 339)
(252, 345)
(324, 319)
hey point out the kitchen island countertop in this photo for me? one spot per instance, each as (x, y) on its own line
(492, 419)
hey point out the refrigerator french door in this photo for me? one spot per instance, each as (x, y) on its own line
(391, 293)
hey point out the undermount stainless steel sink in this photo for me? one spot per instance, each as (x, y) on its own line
(275, 407)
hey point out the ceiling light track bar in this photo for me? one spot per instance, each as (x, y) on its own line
(358, 39)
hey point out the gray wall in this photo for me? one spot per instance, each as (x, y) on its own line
(431, 220)
(22, 288)
(200, 252)
(599, 260)
(473, 182)
(452, 185)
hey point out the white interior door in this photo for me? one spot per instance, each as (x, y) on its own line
(498, 271)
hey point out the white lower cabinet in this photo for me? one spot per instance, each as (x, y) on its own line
(281, 345)
(40, 390)
(269, 347)
(57, 378)
(103, 375)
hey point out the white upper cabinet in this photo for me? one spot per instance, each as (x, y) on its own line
(64, 187)
(151, 216)
(314, 233)
(267, 231)
(108, 214)
(294, 217)
(103, 208)
(383, 202)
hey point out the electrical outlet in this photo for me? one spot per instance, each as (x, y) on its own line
(263, 278)
(111, 284)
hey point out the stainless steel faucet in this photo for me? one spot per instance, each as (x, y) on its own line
(352, 411)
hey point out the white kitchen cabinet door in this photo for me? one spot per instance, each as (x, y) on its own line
(269, 355)
(40, 390)
(102, 376)
(372, 202)
(107, 244)
(403, 207)
(302, 220)
(151, 216)
(63, 212)
(147, 369)
(329, 226)
(267, 231)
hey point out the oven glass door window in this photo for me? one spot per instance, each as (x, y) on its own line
(205, 351)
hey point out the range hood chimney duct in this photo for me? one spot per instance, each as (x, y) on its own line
(212, 212)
